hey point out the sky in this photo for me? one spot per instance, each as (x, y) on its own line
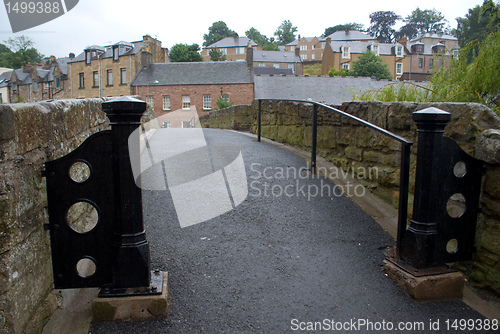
(105, 22)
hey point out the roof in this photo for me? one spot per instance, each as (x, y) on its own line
(196, 73)
(295, 42)
(427, 47)
(24, 78)
(63, 64)
(272, 71)
(5, 78)
(436, 36)
(360, 47)
(350, 35)
(108, 53)
(231, 42)
(330, 90)
(276, 57)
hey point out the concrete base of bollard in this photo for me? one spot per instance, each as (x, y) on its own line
(426, 287)
(133, 307)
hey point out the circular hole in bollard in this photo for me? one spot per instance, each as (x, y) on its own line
(82, 217)
(452, 246)
(79, 172)
(460, 169)
(456, 206)
(85, 267)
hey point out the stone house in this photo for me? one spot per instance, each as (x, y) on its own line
(33, 83)
(108, 71)
(234, 47)
(5, 75)
(341, 55)
(278, 60)
(193, 88)
(450, 42)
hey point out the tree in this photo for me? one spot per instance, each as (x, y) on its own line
(267, 44)
(381, 25)
(185, 53)
(340, 27)
(369, 65)
(19, 51)
(285, 32)
(427, 20)
(342, 73)
(216, 55)
(216, 32)
(477, 23)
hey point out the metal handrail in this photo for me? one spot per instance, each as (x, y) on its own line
(405, 157)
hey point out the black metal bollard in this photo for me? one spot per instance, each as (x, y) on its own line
(131, 267)
(419, 245)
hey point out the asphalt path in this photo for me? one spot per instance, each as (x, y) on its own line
(280, 262)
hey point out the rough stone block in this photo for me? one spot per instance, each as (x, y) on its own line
(425, 288)
(488, 146)
(7, 129)
(136, 307)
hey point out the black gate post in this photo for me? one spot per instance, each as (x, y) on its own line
(131, 267)
(419, 245)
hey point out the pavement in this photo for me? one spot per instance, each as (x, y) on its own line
(281, 262)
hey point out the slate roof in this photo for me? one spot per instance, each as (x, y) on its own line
(108, 53)
(5, 78)
(276, 57)
(351, 35)
(329, 90)
(63, 64)
(436, 36)
(272, 71)
(295, 42)
(24, 78)
(231, 42)
(196, 73)
(360, 47)
(427, 48)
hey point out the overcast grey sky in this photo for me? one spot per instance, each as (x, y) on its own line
(104, 22)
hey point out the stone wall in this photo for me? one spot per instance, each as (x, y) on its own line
(30, 135)
(356, 149)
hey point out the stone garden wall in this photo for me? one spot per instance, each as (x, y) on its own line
(356, 149)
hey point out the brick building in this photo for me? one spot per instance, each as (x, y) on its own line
(234, 48)
(193, 87)
(278, 60)
(108, 71)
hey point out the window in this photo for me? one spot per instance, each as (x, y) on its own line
(123, 76)
(116, 53)
(262, 65)
(313, 56)
(58, 82)
(375, 49)
(276, 65)
(207, 102)
(399, 68)
(150, 101)
(431, 63)
(35, 86)
(303, 57)
(87, 57)
(323, 45)
(240, 51)
(166, 102)
(166, 124)
(399, 51)
(223, 50)
(420, 48)
(81, 80)
(420, 62)
(94, 54)
(345, 66)
(290, 66)
(95, 79)
(186, 102)
(109, 75)
(225, 97)
(346, 52)
(303, 48)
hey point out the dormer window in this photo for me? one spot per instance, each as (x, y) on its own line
(88, 58)
(399, 51)
(346, 52)
(116, 52)
(375, 49)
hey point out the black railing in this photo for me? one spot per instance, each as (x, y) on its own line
(405, 156)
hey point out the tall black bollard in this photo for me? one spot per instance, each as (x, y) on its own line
(419, 245)
(132, 266)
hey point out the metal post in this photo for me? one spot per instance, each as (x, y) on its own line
(418, 247)
(131, 267)
(314, 138)
(259, 120)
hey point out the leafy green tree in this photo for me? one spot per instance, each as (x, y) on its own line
(381, 26)
(216, 32)
(19, 51)
(223, 102)
(216, 55)
(427, 20)
(369, 65)
(185, 53)
(267, 44)
(477, 23)
(285, 32)
(342, 73)
(340, 27)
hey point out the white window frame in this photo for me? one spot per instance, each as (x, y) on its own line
(262, 64)
(150, 101)
(399, 68)
(225, 97)
(166, 124)
(346, 52)
(207, 102)
(375, 49)
(345, 66)
(399, 51)
(223, 50)
(276, 65)
(166, 102)
(186, 102)
(303, 47)
(303, 57)
(240, 51)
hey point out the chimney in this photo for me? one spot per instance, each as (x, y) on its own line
(347, 31)
(71, 55)
(236, 37)
(146, 58)
(249, 57)
(403, 41)
(297, 51)
(52, 58)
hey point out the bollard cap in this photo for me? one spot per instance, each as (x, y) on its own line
(124, 103)
(431, 115)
